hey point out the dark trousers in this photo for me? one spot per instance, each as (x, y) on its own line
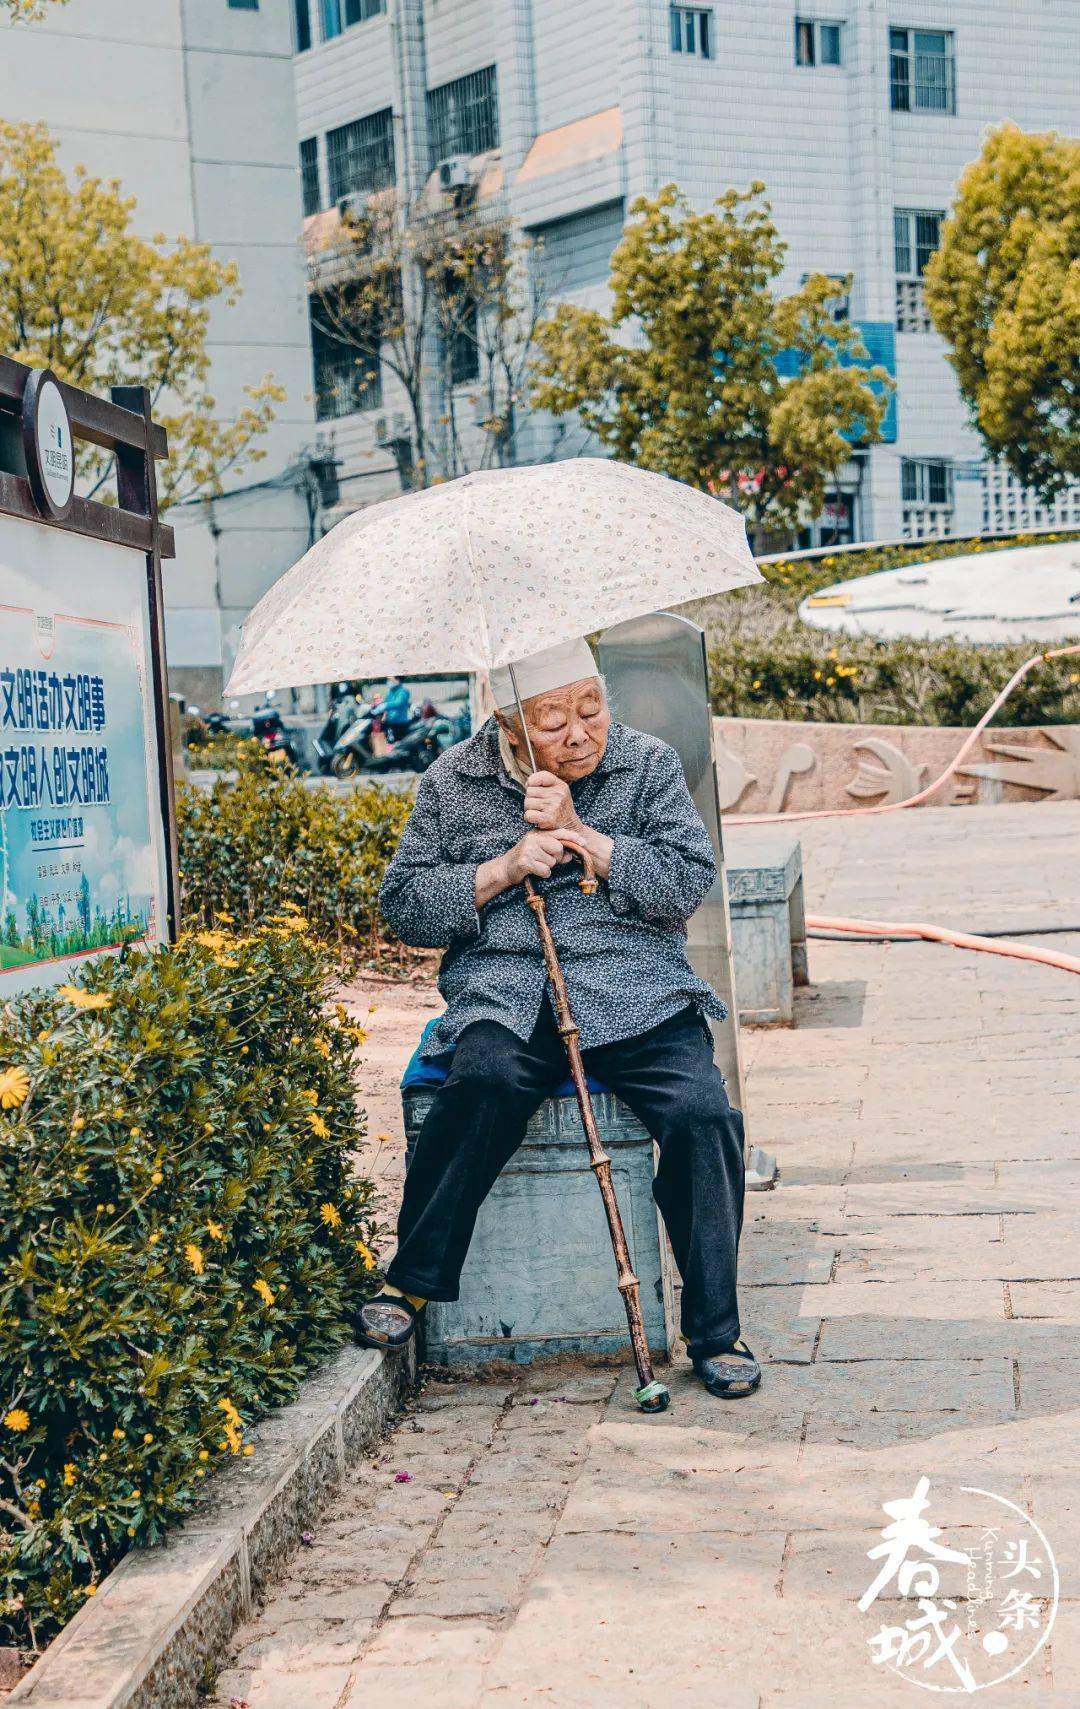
(478, 1119)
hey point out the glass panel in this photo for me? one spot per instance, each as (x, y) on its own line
(899, 83)
(302, 18)
(938, 483)
(804, 42)
(901, 244)
(909, 474)
(309, 176)
(898, 41)
(830, 44)
(706, 42)
(927, 237)
(676, 31)
(463, 116)
(931, 42)
(331, 17)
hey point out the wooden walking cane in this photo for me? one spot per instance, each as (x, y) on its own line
(651, 1395)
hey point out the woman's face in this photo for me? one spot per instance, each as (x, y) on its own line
(569, 729)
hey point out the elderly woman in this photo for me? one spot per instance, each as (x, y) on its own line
(602, 789)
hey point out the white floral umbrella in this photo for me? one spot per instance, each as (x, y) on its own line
(488, 568)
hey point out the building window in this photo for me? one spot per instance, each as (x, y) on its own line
(916, 235)
(347, 374)
(922, 71)
(691, 31)
(926, 492)
(817, 43)
(1011, 508)
(243, 5)
(338, 15)
(302, 24)
(463, 344)
(360, 156)
(463, 116)
(839, 306)
(310, 194)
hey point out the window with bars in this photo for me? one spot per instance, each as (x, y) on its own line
(463, 116)
(464, 345)
(347, 378)
(302, 24)
(310, 193)
(692, 31)
(360, 155)
(926, 481)
(922, 71)
(817, 43)
(916, 235)
(243, 5)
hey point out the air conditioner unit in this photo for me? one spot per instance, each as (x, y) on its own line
(455, 173)
(354, 206)
(389, 429)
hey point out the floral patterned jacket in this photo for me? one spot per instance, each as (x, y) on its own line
(623, 950)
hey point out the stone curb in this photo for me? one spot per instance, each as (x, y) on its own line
(153, 1635)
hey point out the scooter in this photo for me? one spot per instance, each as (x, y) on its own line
(358, 749)
(342, 716)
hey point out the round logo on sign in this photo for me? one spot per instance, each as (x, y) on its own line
(47, 441)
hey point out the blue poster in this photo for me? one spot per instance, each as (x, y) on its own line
(82, 848)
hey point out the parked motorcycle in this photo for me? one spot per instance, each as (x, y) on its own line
(365, 747)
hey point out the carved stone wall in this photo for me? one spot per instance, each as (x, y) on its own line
(765, 765)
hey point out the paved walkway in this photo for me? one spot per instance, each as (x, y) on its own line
(914, 1286)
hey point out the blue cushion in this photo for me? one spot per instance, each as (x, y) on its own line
(428, 1071)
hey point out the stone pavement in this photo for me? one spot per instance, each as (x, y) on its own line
(913, 1287)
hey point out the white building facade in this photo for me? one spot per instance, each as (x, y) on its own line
(858, 115)
(190, 104)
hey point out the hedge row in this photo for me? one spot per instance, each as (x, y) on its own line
(246, 846)
(766, 663)
(180, 1239)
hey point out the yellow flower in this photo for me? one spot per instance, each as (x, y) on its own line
(217, 941)
(14, 1087)
(215, 1231)
(312, 1097)
(220, 914)
(17, 1419)
(249, 1448)
(80, 999)
(78, 1123)
(233, 1428)
(383, 1138)
(366, 1254)
(194, 1258)
(322, 1047)
(264, 1290)
(226, 961)
(89, 1589)
(756, 683)
(147, 1437)
(204, 1454)
(318, 1126)
(331, 1215)
(69, 1473)
(118, 1435)
(156, 1178)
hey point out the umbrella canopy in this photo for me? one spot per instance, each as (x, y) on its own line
(485, 569)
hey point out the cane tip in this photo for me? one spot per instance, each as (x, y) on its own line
(653, 1397)
(589, 886)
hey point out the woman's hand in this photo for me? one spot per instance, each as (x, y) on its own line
(536, 856)
(549, 805)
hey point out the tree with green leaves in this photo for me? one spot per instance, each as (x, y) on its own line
(1003, 290)
(82, 294)
(701, 372)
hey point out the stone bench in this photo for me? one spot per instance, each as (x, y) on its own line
(768, 924)
(540, 1275)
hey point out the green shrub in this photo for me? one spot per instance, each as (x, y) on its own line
(247, 846)
(222, 752)
(764, 662)
(180, 1239)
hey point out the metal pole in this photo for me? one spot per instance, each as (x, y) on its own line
(651, 1395)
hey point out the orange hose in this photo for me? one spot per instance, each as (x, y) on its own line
(942, 935)
(932, 934)
(931, 788)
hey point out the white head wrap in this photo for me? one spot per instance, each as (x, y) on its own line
(554, 667)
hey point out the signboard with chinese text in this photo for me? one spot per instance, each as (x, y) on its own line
(83, 846)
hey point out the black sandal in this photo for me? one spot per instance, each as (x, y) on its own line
(388, 1320)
